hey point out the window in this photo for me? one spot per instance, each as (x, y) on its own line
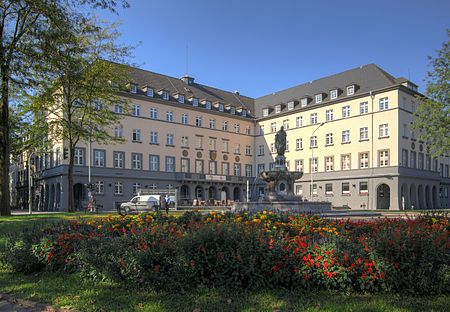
(328, 188)
(412, 162)
(153, 113)
(420, 161)
(318, 98)
(435, 164)
(304, 102)
(154, 162)
(212, 123)
(346, 111)
(225, 146)
(153, 186)
(133, 88)
(212, 144)
(184, 119)
(364, 160)
(237, 149)
(136, 188)
(99, 158)
(212, 167)
(119, 159)
(272, 147)
(345, 162)
(150, 92)
(384, 103)
(299, 122)
(247, 130)
(333, 94)
(273, 127)
(363, 108)
(286, 124)
(136, 110)
(314, 164)
(405, 131)
(291, 105)
(170, 164)
(261, 150)
(195, 102)
(198, 121)
(384, 131)
(298, 190)
(99, 187)
(329, 163)
(169, 116)
(313, 118)
(237, 128)
(118, 188)
(225, 125)
(364, 133)
(329, 139)
(237, 170)
(225, 168)
(298, 165)
(220, 107)
(404, 158)
(313, 142)
(199, 142)
(208, 105)
(248, 150)
(79, 156)
(118, 109)
(181, 99)
(351, 90)
(265, 112)
(446, 171)
(383, 158)
(271, 166)
(298, 144)
(165, 95)
(136, 161)
(345, 188)
(154, 137)
(363, 187)
(169, 139)
(313, 190)
(248, 170)
(261, 130)
(185, 141)
(118, 131)
(277, 109)
(346, 136)
(329, 115)
(261, 168)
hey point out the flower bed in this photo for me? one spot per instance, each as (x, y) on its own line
(245, 251)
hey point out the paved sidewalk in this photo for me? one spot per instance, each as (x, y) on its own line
(9, 303)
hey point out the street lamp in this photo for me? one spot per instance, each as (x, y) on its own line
(30, 204)
(310, 163)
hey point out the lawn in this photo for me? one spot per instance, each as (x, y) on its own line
(70, 290)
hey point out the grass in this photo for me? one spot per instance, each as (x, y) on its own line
(70, 290)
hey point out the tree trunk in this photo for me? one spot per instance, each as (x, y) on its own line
(70, 200)
(5, 209)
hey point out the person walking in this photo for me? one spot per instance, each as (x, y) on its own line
(167, 199)
(162, 201)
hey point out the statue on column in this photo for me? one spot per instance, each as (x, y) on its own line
(280, 141)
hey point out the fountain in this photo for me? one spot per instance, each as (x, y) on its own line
(279, 193)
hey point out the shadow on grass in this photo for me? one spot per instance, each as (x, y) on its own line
(68, 290)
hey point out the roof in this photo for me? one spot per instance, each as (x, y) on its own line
(367, 78)
(176, 85)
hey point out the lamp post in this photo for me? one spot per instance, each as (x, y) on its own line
(30, 204)
(310, 163)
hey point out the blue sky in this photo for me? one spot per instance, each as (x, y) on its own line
(259, 47)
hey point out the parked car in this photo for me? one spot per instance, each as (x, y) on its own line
(140, 204)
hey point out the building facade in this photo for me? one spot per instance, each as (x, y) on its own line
(349, 133)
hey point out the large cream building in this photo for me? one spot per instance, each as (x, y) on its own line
(349, 133)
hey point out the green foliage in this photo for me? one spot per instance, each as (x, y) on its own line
(433, 114)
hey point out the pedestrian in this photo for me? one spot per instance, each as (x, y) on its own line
(162, 202)
(167, 199)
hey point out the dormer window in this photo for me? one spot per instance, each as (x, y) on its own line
(181, 98)
(333, 94)
(319, 98)
(265, 112)
(277, 108)
(208, 105)
(149, 91)
(244, 112)
(233, 110)
(133, 88)
(194, 102)
(165, 95)
(351, 90)
(220, 107)
(291, 105)
(304, 102)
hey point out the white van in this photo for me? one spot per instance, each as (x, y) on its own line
(139, 204)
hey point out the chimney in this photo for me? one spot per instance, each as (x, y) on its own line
(188, 80)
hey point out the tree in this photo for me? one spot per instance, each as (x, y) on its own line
(22, 22)
(77, 103)
(432, 117)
